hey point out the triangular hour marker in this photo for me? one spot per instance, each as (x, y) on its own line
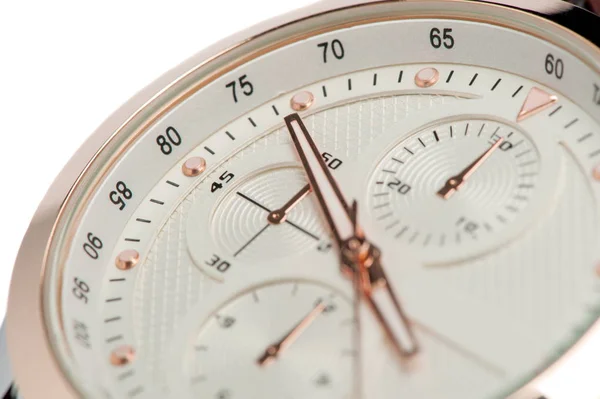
(537, 100)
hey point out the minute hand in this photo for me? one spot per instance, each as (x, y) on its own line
(357, 254)
(328, 194)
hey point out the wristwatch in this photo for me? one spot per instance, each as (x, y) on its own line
(359, 199)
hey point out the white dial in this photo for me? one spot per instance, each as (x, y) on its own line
(220, 239)
(196, 255)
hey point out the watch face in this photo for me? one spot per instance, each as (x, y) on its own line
(208, 250)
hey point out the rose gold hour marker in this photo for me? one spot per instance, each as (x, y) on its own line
(596, 172)
(302, 101)
(127, 259)
(537, 100)
(598, 269)
(427, 77)
(193, 166)
(122, 356)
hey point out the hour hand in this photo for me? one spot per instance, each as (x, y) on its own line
(330, 198)
(363, 260)
(390, 314)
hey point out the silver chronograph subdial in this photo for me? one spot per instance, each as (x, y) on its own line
(459, 189)
(290, 339)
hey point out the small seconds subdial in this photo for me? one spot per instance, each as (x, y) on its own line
(291, 339)
(456, 190)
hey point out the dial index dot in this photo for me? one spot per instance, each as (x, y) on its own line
(302, 101)
(596, 172)
(194, 166)
(122, 356)
(427, 77)
(127, 259)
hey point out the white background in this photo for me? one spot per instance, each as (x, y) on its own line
(66, 65)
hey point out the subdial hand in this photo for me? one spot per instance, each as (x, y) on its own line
(454, 183)
(251, 240)
(280, 215)
(358, 257)
(274, 350)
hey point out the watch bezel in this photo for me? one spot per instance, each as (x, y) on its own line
(27, 331)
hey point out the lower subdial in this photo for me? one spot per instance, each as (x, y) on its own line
(457, 190)
(281, 340)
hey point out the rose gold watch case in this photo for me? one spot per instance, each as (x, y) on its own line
(37, 370)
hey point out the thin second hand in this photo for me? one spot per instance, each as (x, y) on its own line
(251, 240)
(261, 206)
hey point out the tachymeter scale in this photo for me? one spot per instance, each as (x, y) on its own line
(225, 358)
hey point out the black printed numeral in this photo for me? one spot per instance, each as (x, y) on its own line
(80, 290)
(93, 246)
(334, 48)
(219, 264)
(331, 161)
(167, 141)
(246, 88)
(225, 178)
(555, 66)
(441, 38)
(120, 195)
